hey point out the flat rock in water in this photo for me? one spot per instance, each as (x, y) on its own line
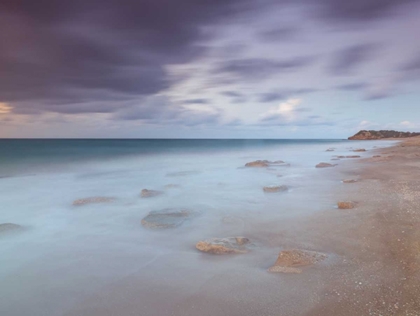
(359, 150)
(263, 163)
(92, 200)
(166, 218)
(222, 246)
(324, 165)
(330, 149)
(288, 261)
(346, 205)
(275, 188)
(351, 156)
(145, 193)
(349, 181)
(9, 227)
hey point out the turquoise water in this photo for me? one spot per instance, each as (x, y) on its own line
(89, 260)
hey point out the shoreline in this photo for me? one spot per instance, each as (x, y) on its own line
(379, 240)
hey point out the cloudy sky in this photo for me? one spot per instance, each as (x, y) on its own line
(208, 68)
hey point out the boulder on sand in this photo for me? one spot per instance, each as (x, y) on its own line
(222, 246)
(289, 260)
(166, 218)
(92, 200)
(346, 205)
(263, 163)
(275, 188)
(145, 193)
(9, 227)
(324, 165)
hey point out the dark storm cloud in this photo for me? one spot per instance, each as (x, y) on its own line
(280, 34)
(197, 101)
(360, 10)
(257, 68)
(159, 110)
(352, 86)
(111, 46)
(346, 60)
(235, 97)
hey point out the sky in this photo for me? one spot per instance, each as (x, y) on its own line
(208, 68)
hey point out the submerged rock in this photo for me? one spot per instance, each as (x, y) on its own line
(275, 188)
(330, 149)
(166, 218)
(145, 193)
(289, 260)
(349, 181)
(351, 156)
(346, 205)
(92, 200)
(263, 163)
(221, 246)
(324, 165)
(182, 173)
(359, 150)
(9, 227)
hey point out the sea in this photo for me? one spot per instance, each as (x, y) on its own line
(98, 259)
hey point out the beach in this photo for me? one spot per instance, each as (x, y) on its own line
(96, 257)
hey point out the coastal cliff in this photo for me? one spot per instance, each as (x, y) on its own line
(366, 135)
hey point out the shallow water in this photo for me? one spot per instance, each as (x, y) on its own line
(98, 260)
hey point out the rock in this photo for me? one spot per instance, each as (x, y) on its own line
(335, 159)
(330, 149)
(145, 193)
(324, 165)
(92, 200)
(275, 188)
(221, 246)
(263, 163)
(365, 135)
(9, 227)
(289, 260)
(166, 218)
(353, 156)
(377, 156)
(349, 181)
(258, 164)
(346, 205)
(359, 150)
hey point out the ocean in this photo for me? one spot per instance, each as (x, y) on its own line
(97, 259)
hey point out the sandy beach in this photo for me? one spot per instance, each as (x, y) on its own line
(379, 241)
